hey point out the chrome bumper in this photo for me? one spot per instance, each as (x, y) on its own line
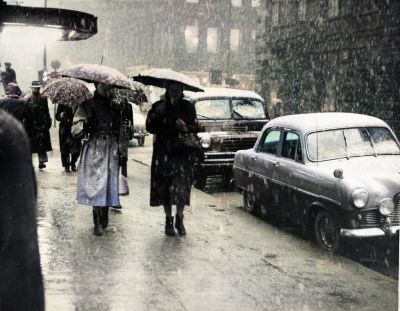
(369, 232)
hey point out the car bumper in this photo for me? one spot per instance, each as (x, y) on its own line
(369, 232)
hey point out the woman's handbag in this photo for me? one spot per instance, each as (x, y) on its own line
(187, 142)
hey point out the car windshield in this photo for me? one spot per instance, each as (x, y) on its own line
(347, 143)
(248, 109)
(213, 109)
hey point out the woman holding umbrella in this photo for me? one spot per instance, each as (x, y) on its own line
(98, 167)
(173, 122)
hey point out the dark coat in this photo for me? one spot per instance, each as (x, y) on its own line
(126, 129)
(68, 144)
(21, 285)
(18, 108)
(39, 133)
(171, 169)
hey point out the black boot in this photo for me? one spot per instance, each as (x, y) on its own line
(104, 217)
(169, 226)
(179, 225)
(96, 220)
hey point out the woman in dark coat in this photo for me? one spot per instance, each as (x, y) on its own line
(69, 147)
(41, 124)
(172, 172)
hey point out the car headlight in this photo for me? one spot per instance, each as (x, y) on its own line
(386, 207)
(205, 140)
(359, 198)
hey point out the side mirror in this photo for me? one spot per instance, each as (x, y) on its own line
(338, 173)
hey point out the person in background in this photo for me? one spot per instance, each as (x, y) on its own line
(8, 76)
(41, 124)
(70, 148)
(16, 106)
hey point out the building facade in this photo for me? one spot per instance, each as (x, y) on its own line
(331, 55)
(191, 35)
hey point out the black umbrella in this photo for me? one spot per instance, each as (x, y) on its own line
(160, 77)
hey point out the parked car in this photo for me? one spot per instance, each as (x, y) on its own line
(336, 173)
(230, 120)
(139, 125)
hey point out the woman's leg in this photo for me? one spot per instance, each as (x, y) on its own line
(169, 220)
(97, 221)
(179, 219)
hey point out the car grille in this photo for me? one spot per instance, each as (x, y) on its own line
(375, 218)
(235, 144)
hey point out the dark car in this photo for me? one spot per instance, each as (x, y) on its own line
(335, 173)
(230, 120)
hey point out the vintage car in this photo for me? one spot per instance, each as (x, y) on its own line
(337, 174)
(230, 120)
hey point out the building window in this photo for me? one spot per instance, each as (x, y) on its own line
(235, 39)
(302, 11)
(275, 14)
(212, 40)
(333, 8)
(192, 38)
(236, 2)
(253, 34)
(255, 3)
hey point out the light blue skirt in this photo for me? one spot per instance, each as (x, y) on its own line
(98, 172)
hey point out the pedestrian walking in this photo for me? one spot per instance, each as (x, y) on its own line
(21, 284)
(8, 76)
(98, 167)
(16, 106)
(41, 123)
(70, 147)
(175, 149)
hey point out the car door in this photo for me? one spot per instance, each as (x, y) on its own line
(266, 155)
(286, 174)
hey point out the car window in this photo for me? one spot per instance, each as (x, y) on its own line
(213, 109)
(247, 108)
(270, 142)
(353, 142)
(291, 147)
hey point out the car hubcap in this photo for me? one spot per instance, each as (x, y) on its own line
(327, 232)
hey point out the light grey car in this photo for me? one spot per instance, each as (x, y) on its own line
(335, 173)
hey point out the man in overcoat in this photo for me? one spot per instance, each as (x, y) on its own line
(41, 124)
(69, 147)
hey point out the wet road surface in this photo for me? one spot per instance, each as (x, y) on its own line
(229, 260)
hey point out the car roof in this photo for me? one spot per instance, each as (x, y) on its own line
(221, 92)
(311, 122)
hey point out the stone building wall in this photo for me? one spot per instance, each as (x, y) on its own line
(331, 55)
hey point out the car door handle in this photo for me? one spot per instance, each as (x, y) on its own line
(277, 164)
(253, 158)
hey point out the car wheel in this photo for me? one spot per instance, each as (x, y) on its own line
(249, 203)
(326, 233)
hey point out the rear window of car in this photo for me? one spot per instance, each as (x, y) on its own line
(352, 142)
